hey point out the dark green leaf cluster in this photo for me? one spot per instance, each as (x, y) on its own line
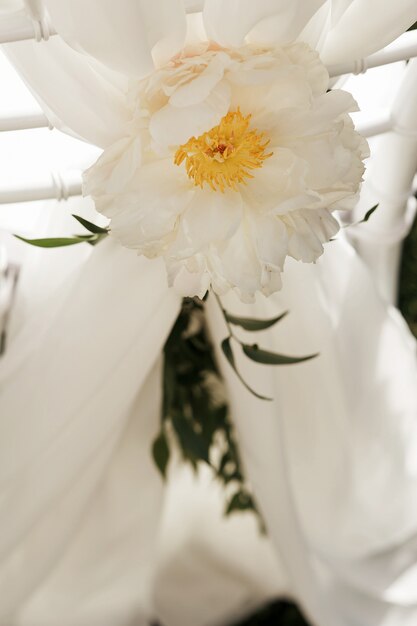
(194, 412)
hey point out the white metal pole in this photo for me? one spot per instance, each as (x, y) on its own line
(25, 121)
(20, 27)
(404, 48)
(377, 125)
(57, 187)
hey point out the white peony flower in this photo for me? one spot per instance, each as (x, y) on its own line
(234, 159)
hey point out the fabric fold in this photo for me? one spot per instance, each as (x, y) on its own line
(340, 436)
(65, 404)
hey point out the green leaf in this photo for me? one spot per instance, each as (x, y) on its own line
(57, 242)
(228, 353)
(228, 469)
(194, 445)
(160, 453)
(241, 501)
(252, 324)
(272, 358)
(368, 214)
(95, 239)
(93, 228)
(168, 387)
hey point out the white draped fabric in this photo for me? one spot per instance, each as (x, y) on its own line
(333, 460)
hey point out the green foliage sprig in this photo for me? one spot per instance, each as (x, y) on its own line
(97, 234)
(253, 351)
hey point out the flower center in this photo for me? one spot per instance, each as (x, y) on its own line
(225, 155)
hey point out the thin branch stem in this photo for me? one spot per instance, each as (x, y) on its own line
(229, 327)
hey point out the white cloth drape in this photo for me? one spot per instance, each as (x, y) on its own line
(332, 460)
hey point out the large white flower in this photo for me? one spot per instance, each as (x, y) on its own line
(233, 160)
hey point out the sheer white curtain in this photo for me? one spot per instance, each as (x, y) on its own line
(332, 460)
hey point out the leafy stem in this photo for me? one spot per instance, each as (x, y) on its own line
(253, 351)
(97, 233)
(228, 352)
(226, 318)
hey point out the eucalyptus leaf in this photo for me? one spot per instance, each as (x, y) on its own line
(92, 240)
(368, 214)
(169, 383)
(366, 217)
(253, 324)
(228, 353)
(193, 444)
(160, 453)
(55, 242)
(272, 358)
(95, 239)
(241, 501)
(93, 228)
(228, 469)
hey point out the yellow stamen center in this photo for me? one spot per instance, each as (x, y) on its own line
(225, 155)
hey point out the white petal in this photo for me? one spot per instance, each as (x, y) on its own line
(323, 223)
(240, 264)
(286, 26)
(200, 88)
(328, 161)
(196, 33)
(356, 35)
(60, 77)
(332, 165)
(211, 217)
(147, 216)
(188, 283)
(271, 281)
(280, 184)
(304, 56)
(302, 122)
(271, 240)
(127, 35)
(282, 64)
(262, 22)
(304, 243)
(289, 88)
(115, 168)
(173, 126)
